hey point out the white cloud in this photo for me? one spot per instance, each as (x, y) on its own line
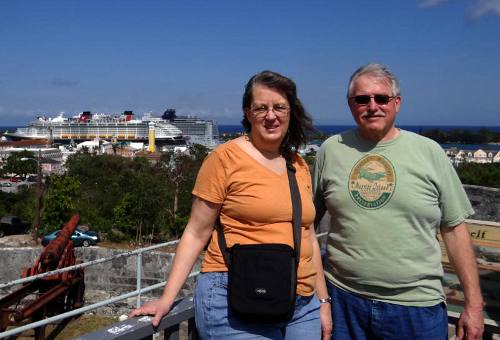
(478, 8)
(484, 7)
(431, 3)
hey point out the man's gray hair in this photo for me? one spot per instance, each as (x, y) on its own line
(378, 71)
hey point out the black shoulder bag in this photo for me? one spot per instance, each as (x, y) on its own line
(263, 277)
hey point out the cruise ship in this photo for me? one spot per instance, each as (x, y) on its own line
(88, 126)
(196, 130)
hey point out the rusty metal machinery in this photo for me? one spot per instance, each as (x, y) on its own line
(49, 295)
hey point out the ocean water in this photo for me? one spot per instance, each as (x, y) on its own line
(7, 129)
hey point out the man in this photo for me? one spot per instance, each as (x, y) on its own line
(389, 192)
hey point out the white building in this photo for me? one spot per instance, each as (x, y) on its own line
(474, 156)
(496, 158)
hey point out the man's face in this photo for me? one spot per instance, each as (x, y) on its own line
(375, 120)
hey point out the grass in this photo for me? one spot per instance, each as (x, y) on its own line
(75, 327)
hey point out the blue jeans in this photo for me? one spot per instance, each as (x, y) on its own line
(355, 317)
(214, 319)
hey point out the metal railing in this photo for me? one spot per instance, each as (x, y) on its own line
(141, 328)
(183, 310)
(137, 292)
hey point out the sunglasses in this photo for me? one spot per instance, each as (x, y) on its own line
(380, 99)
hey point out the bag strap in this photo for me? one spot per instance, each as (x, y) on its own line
(296, 218)
(296, 209)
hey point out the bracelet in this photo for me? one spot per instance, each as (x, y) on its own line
(325, 300)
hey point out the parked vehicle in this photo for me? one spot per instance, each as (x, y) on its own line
(6, 184)
(13, 225)
(79, 238)
(31, 178)
(15, 179)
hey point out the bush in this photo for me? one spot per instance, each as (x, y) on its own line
(487, 175)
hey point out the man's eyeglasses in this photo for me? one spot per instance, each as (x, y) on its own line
(380, 99)
(280, 110)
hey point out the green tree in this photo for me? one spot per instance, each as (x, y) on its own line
(21, 163)
(19, 204)
(124, 198)
(104, 180)
(136, 199)
(436, 135)
(179, 172)
(487, 175)
(59, 202)
(488, 135)
(198, 152)
(142, 209)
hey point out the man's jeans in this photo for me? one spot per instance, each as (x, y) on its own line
(358, 318)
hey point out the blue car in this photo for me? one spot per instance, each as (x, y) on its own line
(79, 238)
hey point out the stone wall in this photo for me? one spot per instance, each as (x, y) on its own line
(485, 201)
(104, 280)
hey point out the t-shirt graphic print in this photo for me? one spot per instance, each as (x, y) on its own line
(372, 181)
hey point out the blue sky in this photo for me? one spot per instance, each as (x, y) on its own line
(196, 56)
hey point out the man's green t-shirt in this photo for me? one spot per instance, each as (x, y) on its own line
(387, 202)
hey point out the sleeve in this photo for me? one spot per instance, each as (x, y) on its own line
(453, 201)
(211, 180)
(317, 187)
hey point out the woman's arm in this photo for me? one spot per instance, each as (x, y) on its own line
(321, 290)
(196, 235)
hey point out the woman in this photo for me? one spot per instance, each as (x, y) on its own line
(245, 181)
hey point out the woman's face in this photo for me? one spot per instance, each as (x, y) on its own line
(269, 115)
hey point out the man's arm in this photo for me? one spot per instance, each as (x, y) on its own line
(459, 248)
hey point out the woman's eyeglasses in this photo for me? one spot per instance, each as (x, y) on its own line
(380, 99)
(260, 111)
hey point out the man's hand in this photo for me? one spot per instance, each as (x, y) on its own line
(471, 324)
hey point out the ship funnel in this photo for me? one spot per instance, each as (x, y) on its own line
(128, 115)
(85, 116)
(169, 114)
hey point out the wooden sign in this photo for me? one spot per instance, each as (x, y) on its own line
(485, 236)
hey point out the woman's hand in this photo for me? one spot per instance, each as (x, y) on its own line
(325, 314)
(195, 236)
(157, 308)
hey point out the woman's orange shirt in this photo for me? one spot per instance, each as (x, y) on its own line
(256, 207)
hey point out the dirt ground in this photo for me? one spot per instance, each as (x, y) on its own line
(23, 240)
(75, 327)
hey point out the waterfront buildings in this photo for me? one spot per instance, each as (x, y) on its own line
(458, 156)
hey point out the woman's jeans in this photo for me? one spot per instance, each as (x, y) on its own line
(355, 317)
(214, 318)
